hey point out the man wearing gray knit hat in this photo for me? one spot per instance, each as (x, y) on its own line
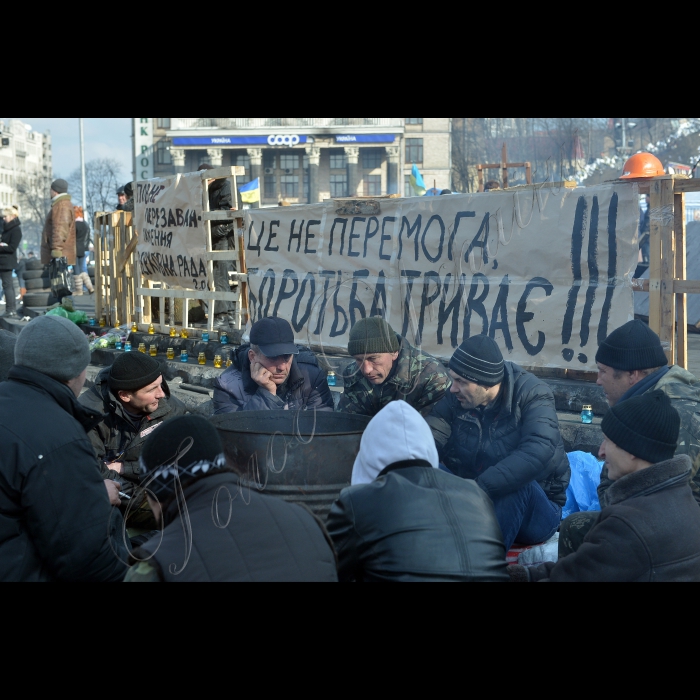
(498, 426)
(57, 522)
(388, 368)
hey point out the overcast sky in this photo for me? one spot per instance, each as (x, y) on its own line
(104, 138)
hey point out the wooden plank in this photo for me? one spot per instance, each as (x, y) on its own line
(680, 273)
(130, 248)
(242, 268)
(187, 294)
(220, 215)
(668, 268)
(692, 185)
(654, 259)
(210, 246)
(566, 184)
(221, 173)
(229, 255)
(679, 286)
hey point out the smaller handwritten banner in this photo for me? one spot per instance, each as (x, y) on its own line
(172, 235)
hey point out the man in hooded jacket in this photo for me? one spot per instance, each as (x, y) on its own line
(404, 519)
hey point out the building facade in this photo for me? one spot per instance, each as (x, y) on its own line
(25, 157)
(301, 160)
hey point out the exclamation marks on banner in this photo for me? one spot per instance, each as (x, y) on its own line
(580, 220)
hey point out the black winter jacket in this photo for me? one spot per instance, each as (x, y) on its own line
(115, 435)
(240, 536)
(650, 531)
(82, 238)
(505, 449)
(12, 235)
(416, 523)
(306, 387)
(56, 522)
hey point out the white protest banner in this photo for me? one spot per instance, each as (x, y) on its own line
(172, 235)
(545, 271)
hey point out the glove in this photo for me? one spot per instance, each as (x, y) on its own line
(56, 253)
(518, 574)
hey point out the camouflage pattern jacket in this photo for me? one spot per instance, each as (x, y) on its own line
(418, 379)
(684, 391)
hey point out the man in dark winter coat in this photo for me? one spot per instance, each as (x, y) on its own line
(56, 521)
(133, 400)
(499, 426)
(650, 528)
(9, 243)
(631, 362)
(229, 534)
(221, 199)
(7, 353)
(388, 368)
(403, 519)
(271, 374)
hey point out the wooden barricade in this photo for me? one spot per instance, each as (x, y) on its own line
(123, 296)
(667, 284)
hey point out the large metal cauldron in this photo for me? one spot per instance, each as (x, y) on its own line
(301, 456)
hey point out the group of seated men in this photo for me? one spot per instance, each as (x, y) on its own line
(456, 465)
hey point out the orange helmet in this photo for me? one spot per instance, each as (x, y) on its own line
(642, 165)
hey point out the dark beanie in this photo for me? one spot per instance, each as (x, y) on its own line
(370, 335)
(133, 371)
(479, 360)
(632, 346)
(186, 447)
(59, 186)
(128, 190)
(646, 426)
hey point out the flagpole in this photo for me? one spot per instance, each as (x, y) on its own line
(82, 167)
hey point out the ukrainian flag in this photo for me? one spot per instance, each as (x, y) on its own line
(416, 180)
(250, 192)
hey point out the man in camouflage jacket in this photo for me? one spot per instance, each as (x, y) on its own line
(388, 368)
(631, 362)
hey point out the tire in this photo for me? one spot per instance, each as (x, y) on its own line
(35, 274)
(42, 283)
(39, 299)
(33, 265)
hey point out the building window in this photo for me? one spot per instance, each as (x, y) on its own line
(289, 186)
(163, 123)
(414, 120)
(338, 161)
(164, 157)
(373, 185)
(270, 187)
(269, 159)
(306, 185)
(243, 160)
(339, 186)
(371, 158)
(414, 151)
(289, 162)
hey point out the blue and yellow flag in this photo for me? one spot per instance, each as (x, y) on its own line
(416, 180)
(250, 192)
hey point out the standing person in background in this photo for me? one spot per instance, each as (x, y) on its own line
(82, 239)
(129, 203)
(21, 266)
(121, 198)
(9, 243)
(58, 236)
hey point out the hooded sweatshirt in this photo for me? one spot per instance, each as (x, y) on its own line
(398, 433)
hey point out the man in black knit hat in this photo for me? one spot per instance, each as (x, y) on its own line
(631, 362)
(498, 425)
(135, 400)
(216, 530)
(650, 528)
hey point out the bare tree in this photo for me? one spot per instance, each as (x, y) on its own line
(102, 178)
(35, 202)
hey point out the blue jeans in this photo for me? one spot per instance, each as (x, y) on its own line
(527, 516)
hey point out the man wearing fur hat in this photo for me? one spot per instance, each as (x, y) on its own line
(649, 529)
(388, 368)
(498, 425)
(58, 237)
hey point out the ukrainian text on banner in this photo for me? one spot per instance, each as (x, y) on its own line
(546, 272)
(172, 235)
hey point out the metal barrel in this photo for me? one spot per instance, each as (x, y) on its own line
(302, 456)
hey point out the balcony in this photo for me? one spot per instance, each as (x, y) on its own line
(233, 124)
